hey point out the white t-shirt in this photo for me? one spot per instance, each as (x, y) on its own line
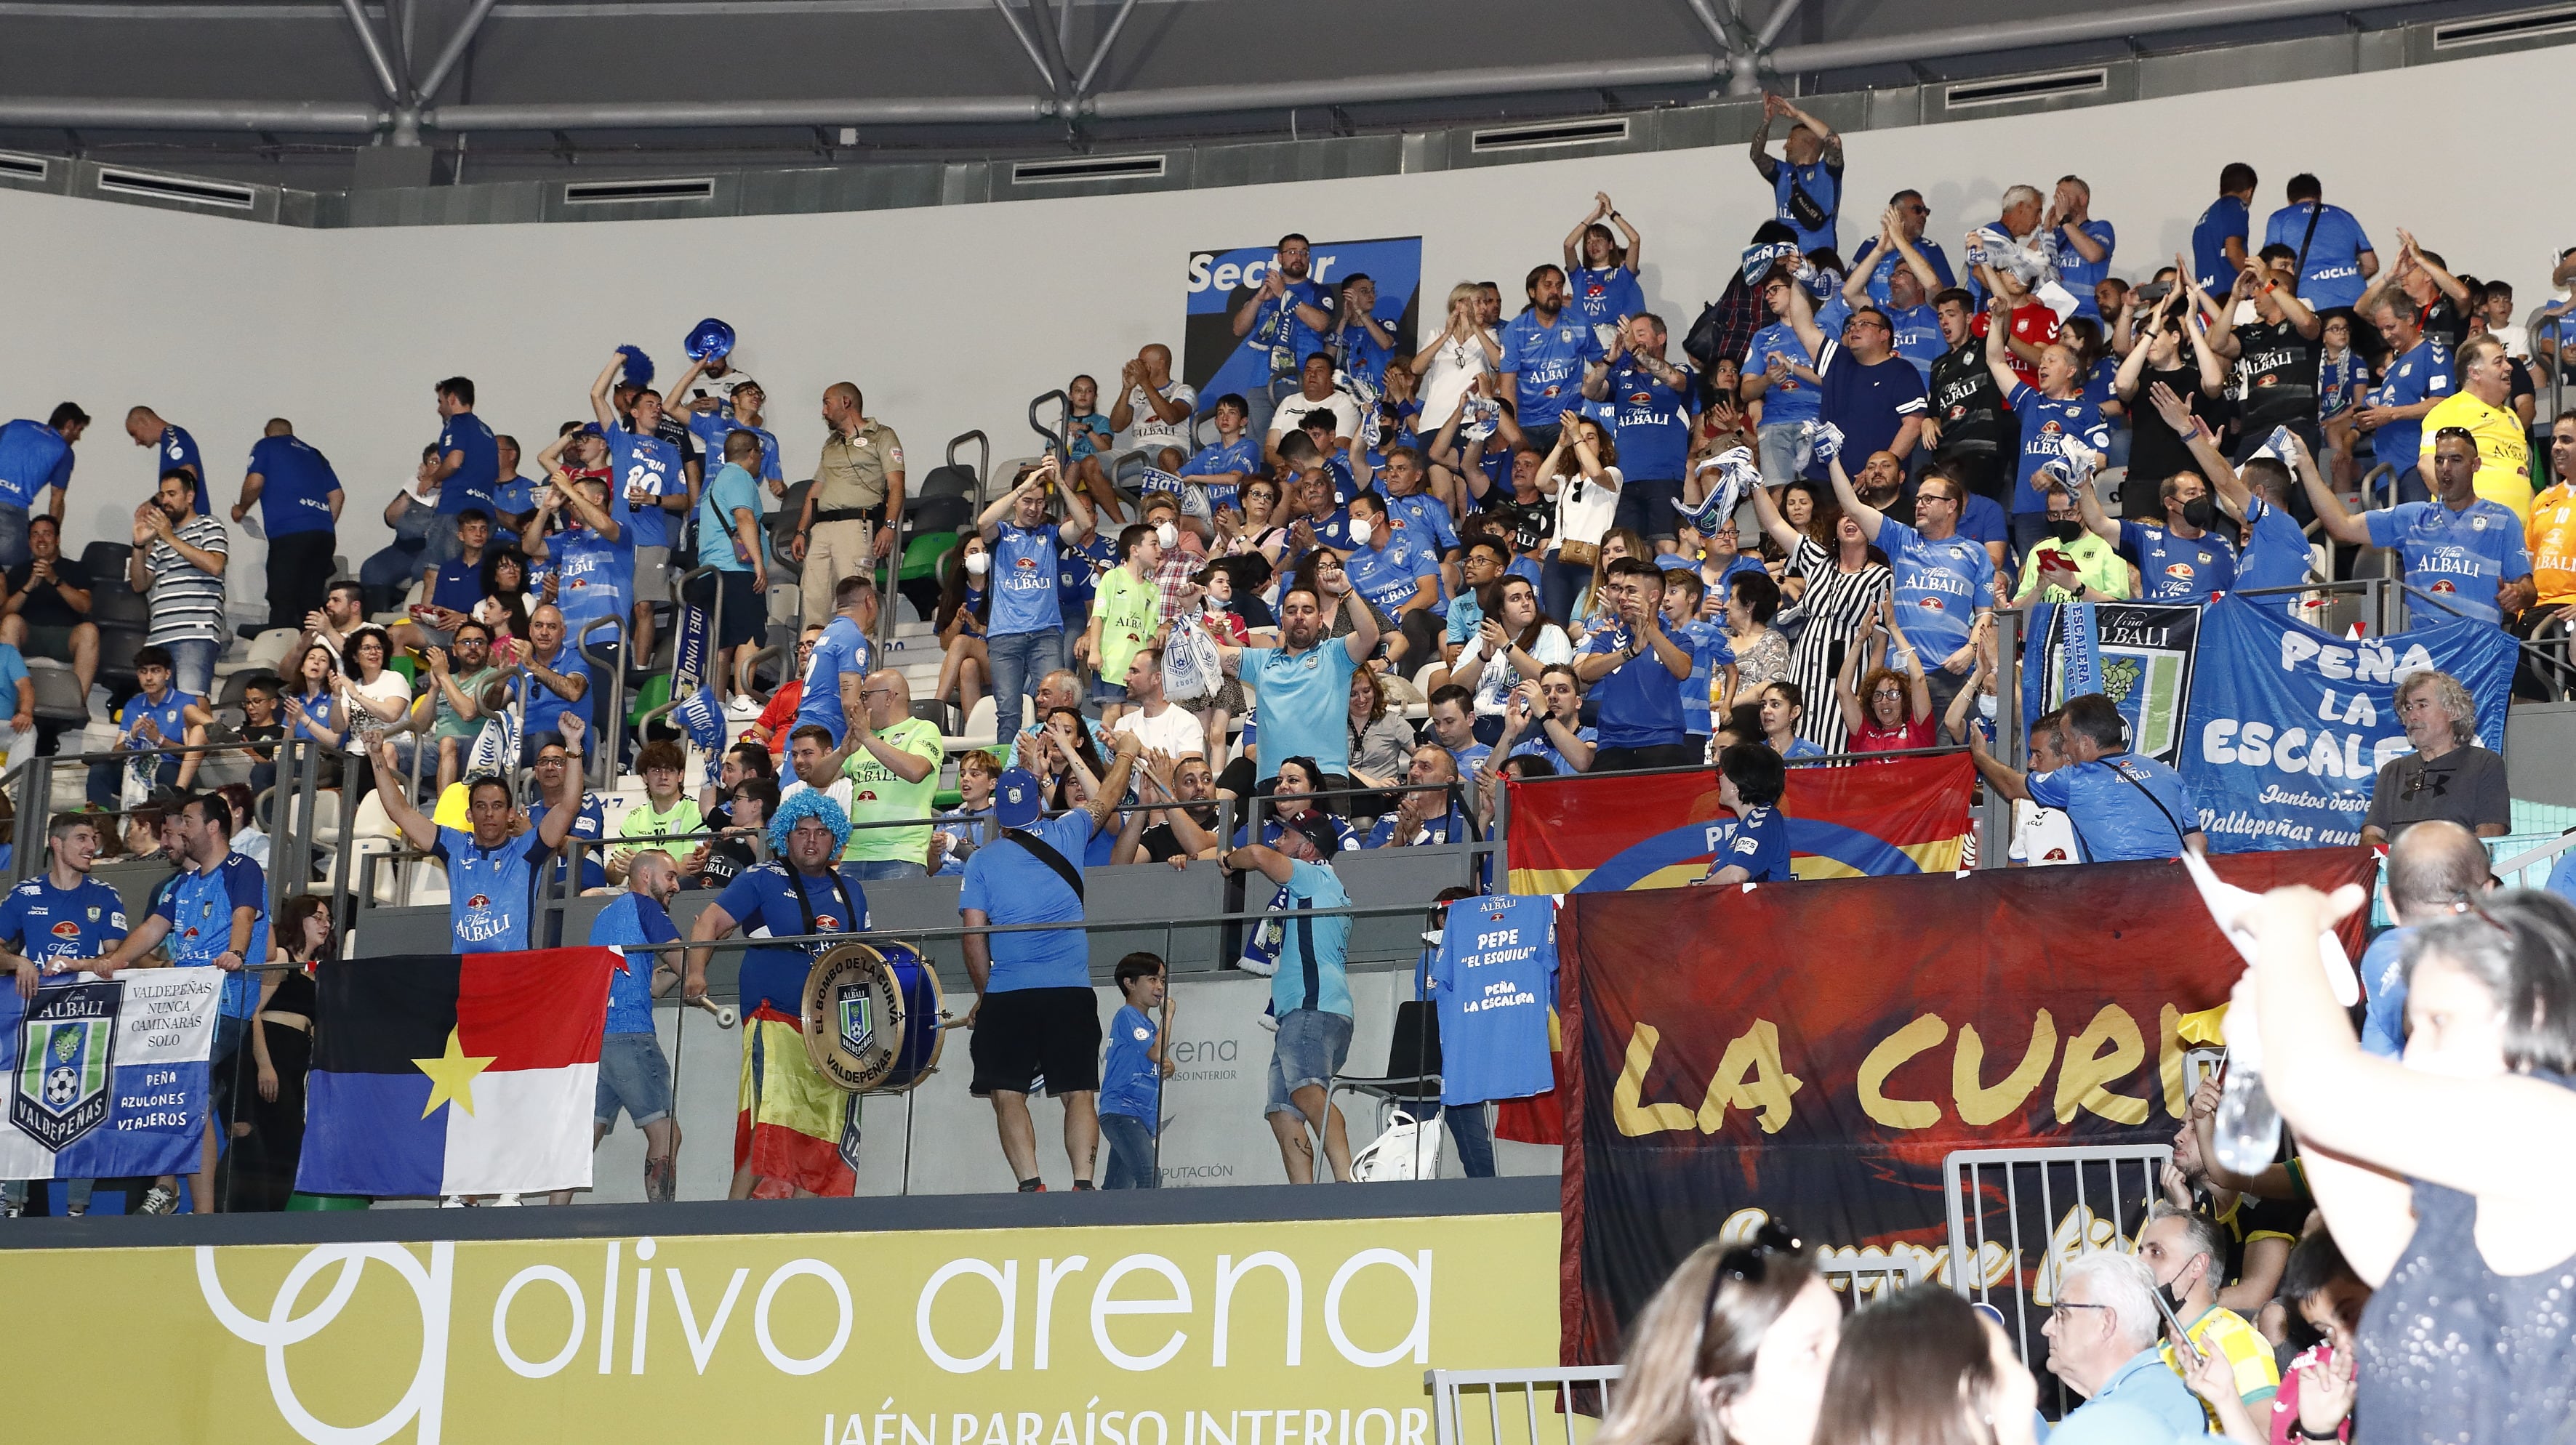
(1145, 429)
(389, 686)
(1495, 687)
(1346, 414)
(1175, 732)
(1454, 369)
(2042, 837)
(1587, 518)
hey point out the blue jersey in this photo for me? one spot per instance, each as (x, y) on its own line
(2225, 219)
(1982, 520)
(2045, 423)
(1131, 1083)
(1603, 296)
(2332, 276)
(1239, 457)
(1940, 586)
(1918, 337)
(2122, 807)
(712, 427)
(2460, 557)
(459, 585)
(1494, 979)
(2276, 554)
(630, 921)
(1546, 362)
(789, 904)
(1313, 952)
(1362, 355)
(1024, 583)
(2419, 376)
(472, 483)
(1078, 569)
(1277, 327)
(177, 449)
(1654, 421)
(33, 456)
(645, 464)
(2178, 569)
(1789, 398)
(1759, 846)
(296, 485)
(199, 908)
(1391, 573)
(2383, 980)
(594, 574)
(1640, 699)
(1882, 265)
(1808, 193)
(42, 923)
(491, 893)
(546, 707)
(1449, 827)
(1543, 745)
(842, 651)
(2079, 275)
(2340, 382)
(1422, 520)
(1709, 649)
(1009, 884)
(169, 716)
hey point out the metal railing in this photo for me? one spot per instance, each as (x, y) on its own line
(607, 724)
(1565, 1394)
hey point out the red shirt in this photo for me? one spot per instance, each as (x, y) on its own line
(779, 718)
(2032, 325)
(1923, 732)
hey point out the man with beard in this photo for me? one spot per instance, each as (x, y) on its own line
(1548, 359)
(2459, 547)
(1304, 681)
(1288, 315)
(50, 921)
(178, 559)
(1970, 431)
(2187, 1255)
(491, 865)
(1189, 830)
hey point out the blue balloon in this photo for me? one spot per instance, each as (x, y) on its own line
(708, 338)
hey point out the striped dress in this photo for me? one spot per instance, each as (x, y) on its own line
(1834, 607)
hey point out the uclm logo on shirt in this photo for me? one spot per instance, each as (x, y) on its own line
(479, 900)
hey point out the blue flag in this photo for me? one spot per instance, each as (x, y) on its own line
(107, 1079)
(697, 716)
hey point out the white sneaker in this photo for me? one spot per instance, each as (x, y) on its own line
(508, 1201)
(743, 705)
(456, 1201)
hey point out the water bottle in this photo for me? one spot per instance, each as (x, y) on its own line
(2247, 1128)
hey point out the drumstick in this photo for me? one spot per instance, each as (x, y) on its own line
(724, 1014)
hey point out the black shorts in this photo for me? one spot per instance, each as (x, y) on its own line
(1034, 1034)
(744, 617)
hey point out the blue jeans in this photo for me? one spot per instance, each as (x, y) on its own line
(1467, 1127)
(192, 664)
(1783, 452)
(1020, 661)
(1131, 1154)
(873, 870)
(107, 780)
(1563, 586)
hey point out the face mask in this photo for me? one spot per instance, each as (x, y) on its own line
(1986, 706)
(1359, 532)
(2200, 512)
(976, 562)
(1167, 534)
(2066, 531)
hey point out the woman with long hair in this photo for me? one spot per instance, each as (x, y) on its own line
(1581, 474)
(1381, 741)
(1467, 351)
(1513, 644)
(965, 604)
(1846, 586)
(1734, 1349)
(311, 707)
(1784, 707)
(1922, 1367)
(281, 1043)
(506, 599)
(1291, 797)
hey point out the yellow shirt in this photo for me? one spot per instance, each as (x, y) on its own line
(2258, 1376)
(2504, 451)
(2551, 535)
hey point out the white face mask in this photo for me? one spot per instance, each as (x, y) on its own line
(1359, 529)
(1167, 534)
(976, 562)
(1986, 706)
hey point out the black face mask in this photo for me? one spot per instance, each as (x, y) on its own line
(2200, 512)
(2066, 531)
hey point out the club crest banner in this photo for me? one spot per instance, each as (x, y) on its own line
(2140, 656)
(107, 1079)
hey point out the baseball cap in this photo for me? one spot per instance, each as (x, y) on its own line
(1319, 831)
(1017, 798)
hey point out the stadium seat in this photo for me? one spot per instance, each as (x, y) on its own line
(267, 651)
(58, 693)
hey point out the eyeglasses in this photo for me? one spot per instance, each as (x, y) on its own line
(1877, 693)
(1747, 1263)
(2423, 778)
(2058, 1311)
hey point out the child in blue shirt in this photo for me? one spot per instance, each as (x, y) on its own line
(1087, 438)
(1131, 1081)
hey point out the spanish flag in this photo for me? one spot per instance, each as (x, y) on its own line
(473, 1074)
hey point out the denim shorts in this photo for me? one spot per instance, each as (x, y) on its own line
(1312, 1045)
(1105, 691)
(632, 1073)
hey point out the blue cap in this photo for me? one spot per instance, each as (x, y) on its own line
(591, 428)
(1018, 798)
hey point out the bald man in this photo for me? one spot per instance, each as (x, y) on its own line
(855, 507)
(1153, 409)
(2434, 869)
(892, 761)
(173, 450)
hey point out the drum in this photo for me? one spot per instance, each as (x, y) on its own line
(873, 1017)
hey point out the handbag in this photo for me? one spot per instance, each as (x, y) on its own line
(1409, 1149)
(1578, 554)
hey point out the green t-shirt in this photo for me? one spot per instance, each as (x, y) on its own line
(1129, 608)
(641, 821)
(876, 793)
(2096, 562)
(446, 723)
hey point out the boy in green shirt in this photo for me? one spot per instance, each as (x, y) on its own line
(1125, 616)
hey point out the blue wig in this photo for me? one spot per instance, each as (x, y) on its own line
(639, 367)
(808, 802)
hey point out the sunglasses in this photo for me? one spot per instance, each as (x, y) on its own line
(1747, 1263)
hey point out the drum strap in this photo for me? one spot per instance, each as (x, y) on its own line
(796, 881)
(1043, 851)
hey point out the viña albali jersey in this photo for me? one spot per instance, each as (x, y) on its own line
(1495, 980)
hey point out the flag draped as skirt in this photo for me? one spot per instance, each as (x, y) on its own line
(796, 1130)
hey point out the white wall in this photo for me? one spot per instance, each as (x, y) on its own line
(949, 318)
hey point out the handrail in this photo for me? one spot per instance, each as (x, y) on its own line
(983, 471)
(1056, 439)
(605, 751)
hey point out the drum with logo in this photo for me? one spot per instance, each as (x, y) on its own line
(873, 1017)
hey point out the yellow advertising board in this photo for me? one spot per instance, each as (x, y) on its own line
(1308, 1332)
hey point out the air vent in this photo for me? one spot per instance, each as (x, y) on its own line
(22, 168)
(1086, 168)
(1548, 134)
(2024, 88)
(615, 193)
(177, 188)
(2496, 29)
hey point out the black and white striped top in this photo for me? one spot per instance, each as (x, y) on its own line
(187, 602)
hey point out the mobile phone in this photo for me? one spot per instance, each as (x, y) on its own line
(2184, 1349)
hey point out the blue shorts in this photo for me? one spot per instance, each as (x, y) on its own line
(1103, 691)
(1311, 1048)
(633, 1075)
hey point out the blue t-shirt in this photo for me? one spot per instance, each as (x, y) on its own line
(2332, 276)
(1982, 520)
(1423, 520)
(1760, 846)
(1654, 421)
(1305, 703)
(1882, 265)
(1743, 563)
(1543, 745)
(1641, 700)
(594, 574)
(13, 671)
(2340, 382)
(169, 715)
(1823, 183)
(1791, 398)
(42, 922)
(640, 463)
(1940, 587)
(2419, 376)
(475, 477)
(1709, 649)
(2122, 807)
(2044, 421)
(178, 449)
(787, 905)
(1494, 979)
(33, 456)
(1361, 353)
(546, 706)
(1391, 572)
(1277, 326)
(2276, 554)
(1239, 457)
(731, 490)
(1131, 1083)
(1547, 363)
(630, 921)
(1603, 294)
(295, 487)
(490, 895)
(1079, 567)
(842, 650)
(711, 428)
(2079, 275)
(1868, 402)
(1024, 584)
(1918, 337)
(2461, 557)
(1313, 952)
(2383, 979)
(2176, 569)
(1801, 748)
(1009, 884)
(199, 909)
(2225, 218)
(1449, 827)
(513, 496)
